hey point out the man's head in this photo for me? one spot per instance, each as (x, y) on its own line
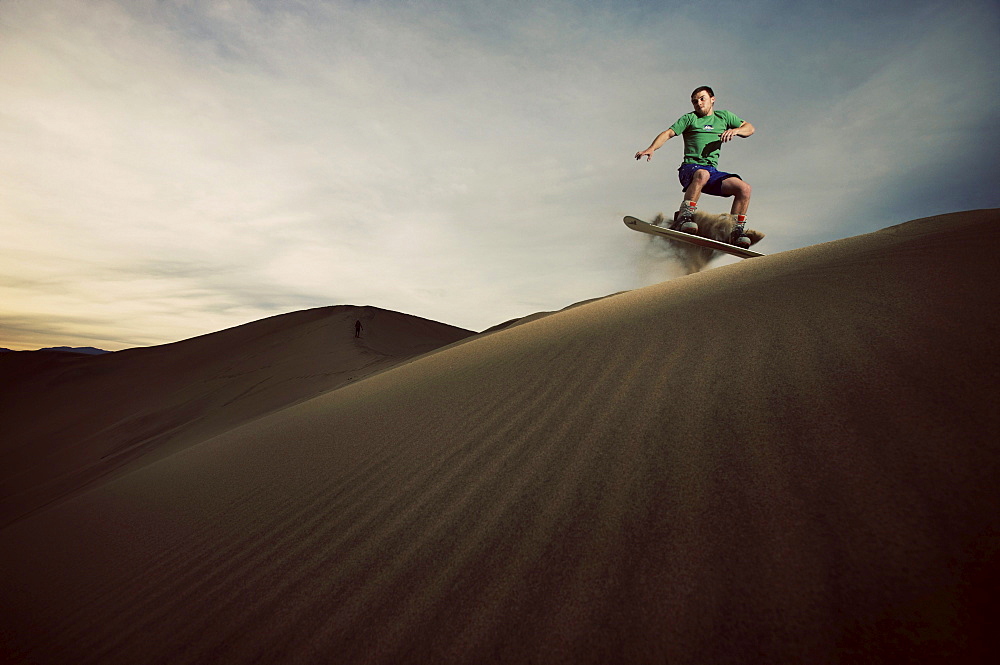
(703, 100)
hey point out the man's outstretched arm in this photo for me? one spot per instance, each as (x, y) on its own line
(657, 143)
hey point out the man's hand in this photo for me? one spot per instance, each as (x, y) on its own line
(656, 144)
(729, 135)
(744, 131)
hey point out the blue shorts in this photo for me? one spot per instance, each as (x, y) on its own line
(715, 177)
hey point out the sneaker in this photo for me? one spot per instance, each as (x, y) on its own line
(684, 220)
(739, 237)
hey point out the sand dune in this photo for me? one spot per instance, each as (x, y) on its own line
(69, 420)
(790, 459)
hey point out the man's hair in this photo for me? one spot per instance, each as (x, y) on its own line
(705, 88)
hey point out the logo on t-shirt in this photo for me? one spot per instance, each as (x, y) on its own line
(708, 127)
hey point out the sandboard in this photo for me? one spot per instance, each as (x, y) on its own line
(637, 224)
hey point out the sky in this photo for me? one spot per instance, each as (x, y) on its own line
(172, 168)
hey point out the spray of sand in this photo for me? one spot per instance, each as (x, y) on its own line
(664, 259)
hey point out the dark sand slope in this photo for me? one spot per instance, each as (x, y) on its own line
(791, 459)
(70, 419)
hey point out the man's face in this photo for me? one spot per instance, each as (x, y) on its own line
(702, 103)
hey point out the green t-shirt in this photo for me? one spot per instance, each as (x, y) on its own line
(701, 135)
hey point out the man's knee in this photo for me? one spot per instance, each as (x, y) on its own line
(700, 176)
(738, 188)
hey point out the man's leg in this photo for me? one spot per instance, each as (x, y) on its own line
(684, 218)
(740, 191)
(693, 191)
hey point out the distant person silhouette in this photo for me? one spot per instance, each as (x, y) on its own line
(358, 328)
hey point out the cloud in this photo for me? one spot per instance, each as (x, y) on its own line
(927, 105)
(189, 165)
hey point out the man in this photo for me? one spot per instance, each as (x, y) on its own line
(704, 131)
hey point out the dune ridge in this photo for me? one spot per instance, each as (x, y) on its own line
(71, 420)
(790, 459)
